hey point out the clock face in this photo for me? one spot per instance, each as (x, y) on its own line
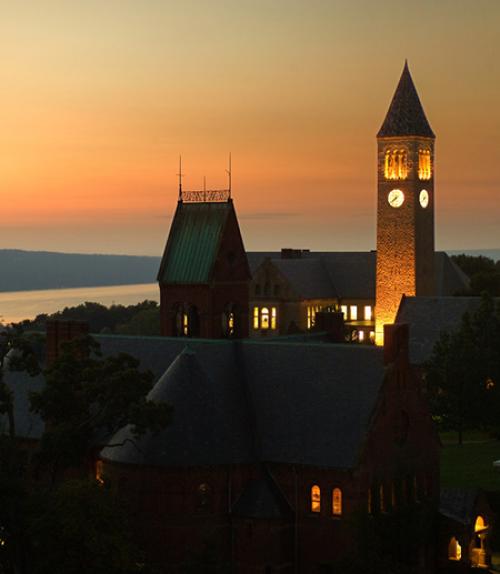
(396, 198)
(424, 198)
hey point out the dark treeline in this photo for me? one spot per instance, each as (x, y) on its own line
(483, 272)
(140, 319)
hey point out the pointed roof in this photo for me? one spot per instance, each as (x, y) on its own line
(406, 116)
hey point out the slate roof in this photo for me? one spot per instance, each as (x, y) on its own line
(428, 317)
(348, 274)
(193, 242)
(459, 504)
(247, 401)
(406, 116)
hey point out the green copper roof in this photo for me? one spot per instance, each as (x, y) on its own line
(193, 242)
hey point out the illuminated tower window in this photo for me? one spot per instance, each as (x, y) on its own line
(368, 313)
(315, 499)
(343, 309)
(396, 164)
(337, 502)
(424, 164)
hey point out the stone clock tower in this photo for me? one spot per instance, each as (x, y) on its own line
(405, 204)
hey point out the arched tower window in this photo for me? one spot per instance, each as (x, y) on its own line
(454, 549)
(396, 164)
(264, 318)
(337, 502)
(315, 498)
(480, 524)
(424, 164)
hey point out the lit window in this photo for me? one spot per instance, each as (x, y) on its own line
(343, 309)
(273, 318)
(315, 499)
(480, 524)
(368, 313)
(424, 164)
(99, 472)
(454, 549)
(353, 310)
(230, 324)
(381, 496)
(372, 336)
(185, 324)
(310, 320)
(361, 335)
(255, 317)
(396, 164)
(264, 318)
(337, 502)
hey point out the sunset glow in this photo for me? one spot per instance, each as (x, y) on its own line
(100, 98)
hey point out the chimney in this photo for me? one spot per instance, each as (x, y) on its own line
(396, 343)
(332, 323)
(288, 253)
(59, 332)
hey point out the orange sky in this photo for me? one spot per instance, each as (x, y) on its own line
(99, 98)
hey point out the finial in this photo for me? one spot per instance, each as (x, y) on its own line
(228, 171)
(180, 174)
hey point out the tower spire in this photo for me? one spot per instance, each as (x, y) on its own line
(406, 116)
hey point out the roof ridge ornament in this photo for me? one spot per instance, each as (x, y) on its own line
(205, 195)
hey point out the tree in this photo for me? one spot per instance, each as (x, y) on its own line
(463, 373)
(62, 525)
(483, 272)
(87, 398)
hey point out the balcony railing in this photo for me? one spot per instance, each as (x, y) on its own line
(205, 196)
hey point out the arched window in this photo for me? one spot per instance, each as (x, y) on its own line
(264, 318)
(99, 472)
(229, 321)
(424, 164)
(315, 498)
(381, 498)
(204, 496)
(480, 524)
(396, 164)
(454, 549)
(337, 502)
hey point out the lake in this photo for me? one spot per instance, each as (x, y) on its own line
(18, 305)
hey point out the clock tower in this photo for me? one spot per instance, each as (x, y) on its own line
(405, 204)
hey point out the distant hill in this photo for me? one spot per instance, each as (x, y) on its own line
(26, 270)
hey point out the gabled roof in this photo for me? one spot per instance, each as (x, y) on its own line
(349, 274)
(248, 401)
(193, 242)
(406, 116)
(428, 317)
(459, 504)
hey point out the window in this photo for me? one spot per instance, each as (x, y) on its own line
(99, 472)
(203, 496)
(424, 164)
(315, 498)
(372, 336)
(255, 317)
(185, 324)
(273, 318)
(480, 524)
(381, 497)
(361, 335)
(368, 312)
(454, 549)
(311, 315)
(396, 164)
(343, 309)
(353, 310)
(264, 318)
(337, 502)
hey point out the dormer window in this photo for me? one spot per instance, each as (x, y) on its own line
(396, 164)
